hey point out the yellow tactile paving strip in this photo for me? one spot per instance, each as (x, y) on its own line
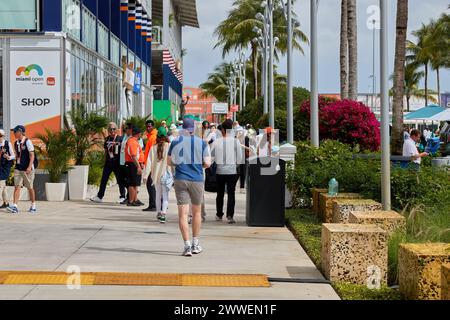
(133, 279)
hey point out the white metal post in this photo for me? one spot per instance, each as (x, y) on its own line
(290, 106)
(271, 66)
(314, 77)
(385, 139)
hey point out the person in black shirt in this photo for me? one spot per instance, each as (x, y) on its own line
(112, 163)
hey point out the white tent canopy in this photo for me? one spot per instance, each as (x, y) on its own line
(441, 116)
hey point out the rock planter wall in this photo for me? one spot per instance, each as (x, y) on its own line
(420, 269)
(343, 207)
(351, 251)
(445, 282)
(315, 199)
(389, 221)
(326, 204)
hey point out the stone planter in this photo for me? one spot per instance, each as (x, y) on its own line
(41, 178)
(24, 194)
(78, 179)
(389, 221)
(343, 207)
(354, 253)
(419, 269)
(445, 282)
(55, 192)
(92, 191)
(326, 204)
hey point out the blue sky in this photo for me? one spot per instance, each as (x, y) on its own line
(201, 57)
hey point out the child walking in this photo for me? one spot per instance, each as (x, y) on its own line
(160, 173)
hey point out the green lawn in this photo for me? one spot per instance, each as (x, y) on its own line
(307, 229)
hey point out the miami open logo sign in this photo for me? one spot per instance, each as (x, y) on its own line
(34, 74)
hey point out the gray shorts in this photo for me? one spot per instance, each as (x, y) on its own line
(189, 192)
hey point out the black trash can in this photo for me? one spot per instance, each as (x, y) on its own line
(266, 179)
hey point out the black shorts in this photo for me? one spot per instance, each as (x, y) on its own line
(133, 178)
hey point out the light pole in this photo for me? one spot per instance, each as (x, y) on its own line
(270, 7)
(314, 77)
(287, 8)
(384, 90)
(374, 83)
(263, 40)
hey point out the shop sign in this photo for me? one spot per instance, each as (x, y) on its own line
(219, 108)
(35, 86)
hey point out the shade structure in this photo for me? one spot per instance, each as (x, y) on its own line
(425, 113)
(442, 116)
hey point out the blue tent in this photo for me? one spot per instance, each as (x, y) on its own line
(424, 113)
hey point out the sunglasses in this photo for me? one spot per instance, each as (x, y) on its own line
(112, 129)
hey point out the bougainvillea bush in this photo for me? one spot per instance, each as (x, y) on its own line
(347, 121)
(351, 122)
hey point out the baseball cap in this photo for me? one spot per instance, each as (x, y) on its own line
(19, 128)
(2, 133)
(136, 130)
(189, 124)
(162, 132)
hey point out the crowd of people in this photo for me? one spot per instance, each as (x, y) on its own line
(416, 144)
(181, 156)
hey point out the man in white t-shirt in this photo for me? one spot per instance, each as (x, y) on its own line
(410, 148)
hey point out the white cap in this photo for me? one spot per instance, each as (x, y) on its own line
(2, 132)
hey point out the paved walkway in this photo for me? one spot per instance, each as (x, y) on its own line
(112, 238)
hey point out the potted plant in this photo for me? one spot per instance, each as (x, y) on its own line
(55, 149)
(87, 131)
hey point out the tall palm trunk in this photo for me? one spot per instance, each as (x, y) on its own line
(399, 76)
(353, 50)
(255, 69)
(439, 86)
(408, 102)
(426, 84)
(344, 50)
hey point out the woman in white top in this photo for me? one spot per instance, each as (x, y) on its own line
(160, 173)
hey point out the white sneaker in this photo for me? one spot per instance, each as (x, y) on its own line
(196, 248)
(96, 199)
(231, 220)
(121, 200)
(187, 252)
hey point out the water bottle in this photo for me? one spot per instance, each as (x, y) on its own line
(333, 187)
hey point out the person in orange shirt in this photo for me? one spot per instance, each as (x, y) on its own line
(134, 164)
(151, 133)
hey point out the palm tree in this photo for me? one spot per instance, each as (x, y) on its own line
(236, 32)
(344, 50)
(440, 47)
(420, 52)
(399, 76)
(217, 84)
(353, 50)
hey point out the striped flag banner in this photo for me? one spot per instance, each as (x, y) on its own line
(138, 16)
(124, 5)
(168, 60)
(131, 10)
(144, 24)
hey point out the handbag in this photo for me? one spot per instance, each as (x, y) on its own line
(167, 179)
(211, 178)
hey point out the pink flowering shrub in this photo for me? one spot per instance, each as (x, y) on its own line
(350, 122)
(347, 121)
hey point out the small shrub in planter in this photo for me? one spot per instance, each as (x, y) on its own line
(55, 149)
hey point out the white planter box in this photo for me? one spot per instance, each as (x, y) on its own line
(78, 179)
(55, 192)
(92, 191)
(24, 194)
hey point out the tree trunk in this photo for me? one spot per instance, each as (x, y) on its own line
(426, 85)
(408, 99)
(255, 69)
(438, 86)
(353, 50)
(344, 50)
(399, 76)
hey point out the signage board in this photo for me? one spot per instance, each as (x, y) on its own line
(234, 108)
(220, 108)
(137, 82)
(35, 87)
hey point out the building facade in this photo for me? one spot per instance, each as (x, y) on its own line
(59, 54)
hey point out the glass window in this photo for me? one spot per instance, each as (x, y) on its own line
(71, 18)
(18, 14)
(103, 40)
(123, 52)
(89, 29)
(115, 47)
